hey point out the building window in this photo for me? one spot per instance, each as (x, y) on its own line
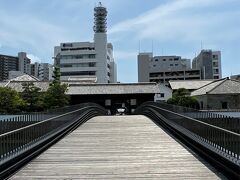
(215, 77)
(92, 64)
(171, 64)
(79, 56)
(156, 59)
(164, 59)
(162, 95)
(154, 65)
(176, 64)
(224, 105)
(216, 71)
(91, 56)
(215, 56)
(67, 45)
(201, 104)
(176, 59)
(74, 73)
(170, 59)
(215, 64)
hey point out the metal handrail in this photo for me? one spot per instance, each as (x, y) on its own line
(221, 143)
(22, 120)
(207, 117)
(201, 122)
(40, 122)
(19, 143)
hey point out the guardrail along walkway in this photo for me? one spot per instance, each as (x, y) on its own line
(117, 147)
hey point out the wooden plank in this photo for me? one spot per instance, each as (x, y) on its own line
(118, 147)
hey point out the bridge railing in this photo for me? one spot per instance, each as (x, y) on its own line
(16, 121)
(223, 121)
(222, 142)
(18, 143)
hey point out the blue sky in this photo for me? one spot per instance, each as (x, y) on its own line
(176, 27)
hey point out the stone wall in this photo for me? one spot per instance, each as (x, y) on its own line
(218, 101)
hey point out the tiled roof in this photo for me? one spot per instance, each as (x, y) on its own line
(76, 88)
(188, 84)
(222, 86)
(133, 88)
(2, 84)
(25, 77)
(18, 85)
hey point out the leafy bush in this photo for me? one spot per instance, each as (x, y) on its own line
(10, 101)
(181, 97)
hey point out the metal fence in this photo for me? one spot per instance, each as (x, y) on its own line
(204, 128)
(16, 121)
(40, 128)
(223, 121)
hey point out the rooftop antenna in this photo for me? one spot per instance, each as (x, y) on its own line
(152, 46)
(139, 46)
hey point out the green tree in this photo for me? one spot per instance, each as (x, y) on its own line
(32, 96)
(10, 101)
(56, 75)
(55, 95)
(181, 97)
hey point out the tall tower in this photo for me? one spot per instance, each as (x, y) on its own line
(100, 40)
(100, 19)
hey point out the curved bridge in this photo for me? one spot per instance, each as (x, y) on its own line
(174, 143)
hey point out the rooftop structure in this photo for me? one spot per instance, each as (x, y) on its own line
(188, 84)
(219, 94)
(222, 86)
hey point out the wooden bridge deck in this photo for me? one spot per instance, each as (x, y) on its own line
(117, 147)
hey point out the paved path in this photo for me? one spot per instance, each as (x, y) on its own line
(117, 147)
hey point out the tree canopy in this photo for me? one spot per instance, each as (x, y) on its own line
(181, 97)
(10, 101)
(55, 95)
(31, 99)
(32, 96)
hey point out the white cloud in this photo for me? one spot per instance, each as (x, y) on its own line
(28, 31)
(182, 20)
(34, 58)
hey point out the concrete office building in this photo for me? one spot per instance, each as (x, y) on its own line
(23, 61)
(81, 60)
(164, 68)
(7, 63)
(32, 69)
(45, 72)
(42, 71)
(15, 74)
(209, 63)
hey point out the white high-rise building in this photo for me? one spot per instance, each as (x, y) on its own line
(23, 61)
(42, 71)
(45, 72)
(88, 60)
